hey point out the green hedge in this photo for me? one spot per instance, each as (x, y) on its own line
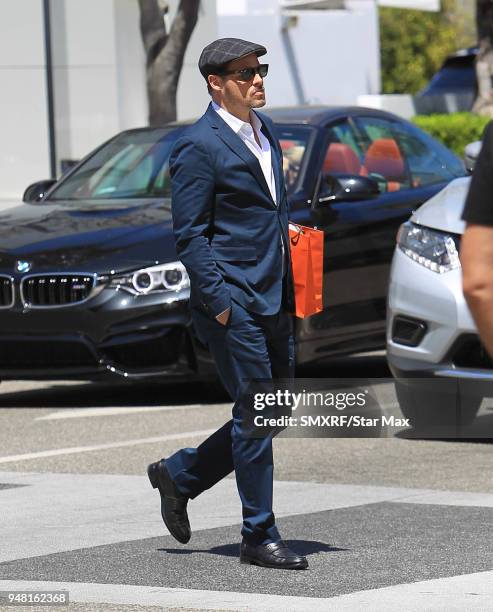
(454, 130)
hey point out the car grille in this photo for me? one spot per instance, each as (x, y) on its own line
(56, 289)
(6, 292)
(44, 354)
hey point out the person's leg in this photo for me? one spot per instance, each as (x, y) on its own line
(197, 469)
(258, 518)
(240, 351)
(280, 345)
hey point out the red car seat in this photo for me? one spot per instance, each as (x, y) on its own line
(384, 157)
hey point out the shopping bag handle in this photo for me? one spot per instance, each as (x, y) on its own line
(295, 228)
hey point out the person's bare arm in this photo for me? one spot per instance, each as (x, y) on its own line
(476, 255)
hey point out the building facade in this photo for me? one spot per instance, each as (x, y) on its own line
(73, 72)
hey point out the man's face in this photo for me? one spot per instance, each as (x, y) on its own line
(239, 94)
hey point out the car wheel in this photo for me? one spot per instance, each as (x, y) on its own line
(213, 388)
(437, 412)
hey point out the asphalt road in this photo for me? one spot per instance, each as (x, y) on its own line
(385, 522)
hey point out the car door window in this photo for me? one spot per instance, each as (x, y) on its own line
(428, 161)
(385, 160)
(344, 152)
(294, 142)
(367, 147)
(405, 156)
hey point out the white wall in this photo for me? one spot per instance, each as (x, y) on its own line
(97, 92)
(130, 65)
(99, 81)
(24, 153)
(99, 70)
(327, 57)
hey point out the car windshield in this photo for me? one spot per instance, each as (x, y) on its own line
(135, 165)
(132, 165)
(294, 141)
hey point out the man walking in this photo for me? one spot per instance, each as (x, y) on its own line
(230, 221)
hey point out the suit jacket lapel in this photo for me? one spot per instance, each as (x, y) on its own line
(234, 142)
(278, 172)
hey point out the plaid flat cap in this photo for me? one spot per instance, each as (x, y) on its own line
(224, 50)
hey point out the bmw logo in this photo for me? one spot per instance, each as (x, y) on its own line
(23, 266)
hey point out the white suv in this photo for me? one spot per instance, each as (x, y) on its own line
(442, 370)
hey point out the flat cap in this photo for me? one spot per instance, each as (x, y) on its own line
(225, 50)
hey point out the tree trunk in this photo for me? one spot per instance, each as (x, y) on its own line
(165, 52)
(484, 63)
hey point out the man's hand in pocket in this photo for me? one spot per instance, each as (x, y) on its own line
(223, 317)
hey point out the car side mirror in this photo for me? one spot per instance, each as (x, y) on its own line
(347, 188)
(471, 152)
(37, 191)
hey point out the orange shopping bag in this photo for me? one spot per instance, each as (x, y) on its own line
(307, 257)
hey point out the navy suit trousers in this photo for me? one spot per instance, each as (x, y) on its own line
(249, 346)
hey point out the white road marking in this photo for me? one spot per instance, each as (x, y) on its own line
(450, 594)
(88, 449)
(472, 592)
(169, 598)
(77, 413)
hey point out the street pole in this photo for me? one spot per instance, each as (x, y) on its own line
(49, 88)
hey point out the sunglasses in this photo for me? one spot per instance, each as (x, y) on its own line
(247, 74)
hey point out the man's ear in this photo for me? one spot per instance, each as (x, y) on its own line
(215, 82)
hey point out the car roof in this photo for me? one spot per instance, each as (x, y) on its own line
(468, 52)
(304, 114)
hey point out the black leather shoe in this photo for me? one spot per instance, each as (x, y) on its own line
(275, 554)
(173, 502)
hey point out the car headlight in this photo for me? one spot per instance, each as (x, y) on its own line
(165, 277)
(434, 250)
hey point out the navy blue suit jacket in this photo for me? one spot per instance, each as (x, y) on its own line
(227, 227)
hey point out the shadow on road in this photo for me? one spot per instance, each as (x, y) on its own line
(303, 547)
(162, 393)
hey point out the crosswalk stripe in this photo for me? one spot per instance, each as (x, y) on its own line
(88, 449)
(472, 592)
(77, 413)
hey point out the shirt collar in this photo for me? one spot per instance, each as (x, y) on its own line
(236, 124)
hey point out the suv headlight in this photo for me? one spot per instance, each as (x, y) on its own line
(170, 277)
(434, 250)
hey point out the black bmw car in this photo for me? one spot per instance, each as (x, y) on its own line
(90, 283)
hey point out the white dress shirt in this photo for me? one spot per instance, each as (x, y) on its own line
(263, 153)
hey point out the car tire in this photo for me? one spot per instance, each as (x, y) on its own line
(436, 412)
(213, 388)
